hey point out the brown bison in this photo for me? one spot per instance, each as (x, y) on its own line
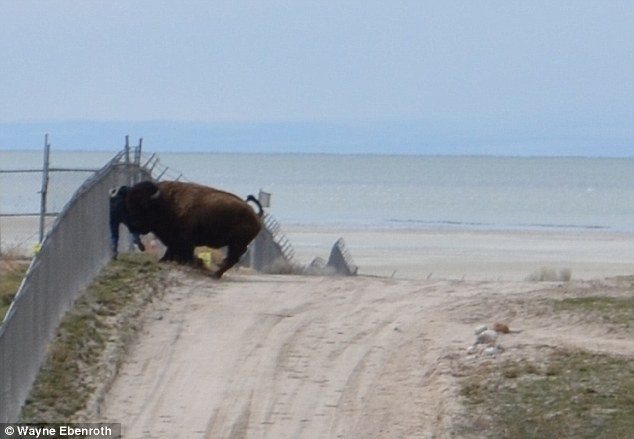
(187, 215)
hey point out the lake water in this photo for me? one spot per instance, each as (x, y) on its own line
(379, 191)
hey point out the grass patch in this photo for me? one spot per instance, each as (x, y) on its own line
(11, 273)
(572, 394)
(548, 274)
(617, 310)
(559, 393)
(102, 318)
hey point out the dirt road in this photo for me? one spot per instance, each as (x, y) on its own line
(309, 357)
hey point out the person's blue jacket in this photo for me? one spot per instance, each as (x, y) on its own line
(119, 215)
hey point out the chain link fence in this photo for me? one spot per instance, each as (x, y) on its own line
(31, 197)
(73, 252)
(75, 249)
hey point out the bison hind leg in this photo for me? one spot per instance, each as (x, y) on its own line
(234, 253)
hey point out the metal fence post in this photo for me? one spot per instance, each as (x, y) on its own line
(47, 154)
(127, 149)
(138, 151)
(72, 254)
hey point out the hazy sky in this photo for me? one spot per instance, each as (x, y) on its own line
(520, 72)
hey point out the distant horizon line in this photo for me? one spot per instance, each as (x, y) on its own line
(384, 154)
(388, 137)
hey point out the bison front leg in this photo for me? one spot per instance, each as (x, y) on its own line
(234, 253)
(181, 253)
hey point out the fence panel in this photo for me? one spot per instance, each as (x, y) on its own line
(72, 254)
(20, 204)
(76, 248)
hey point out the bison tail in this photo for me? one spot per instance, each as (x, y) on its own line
(257, 202)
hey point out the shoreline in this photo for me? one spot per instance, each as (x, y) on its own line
(466, 254)
(448, 253)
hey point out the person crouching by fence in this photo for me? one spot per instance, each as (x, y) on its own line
(119, 215)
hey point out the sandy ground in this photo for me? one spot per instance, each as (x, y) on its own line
(292, 357)
(372, 356)
(272, 356)
(471, 254)
(20, 234)
(431, 253)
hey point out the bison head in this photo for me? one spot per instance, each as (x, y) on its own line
(145, 206)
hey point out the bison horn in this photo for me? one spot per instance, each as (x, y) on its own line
(155, 195)
(114, 191)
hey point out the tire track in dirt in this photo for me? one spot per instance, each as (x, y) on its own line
(291, 356)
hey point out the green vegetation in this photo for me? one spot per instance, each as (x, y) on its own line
(558, 393)
(571, 395)
(99, 321)
(604, 309)
(11, 273)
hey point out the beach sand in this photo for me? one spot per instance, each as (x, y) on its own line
(453, 254)
(378, 355)
(373, 356)
(275, 356)
(19, 235)
(471, 254)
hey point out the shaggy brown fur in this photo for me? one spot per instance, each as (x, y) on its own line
(187, 215)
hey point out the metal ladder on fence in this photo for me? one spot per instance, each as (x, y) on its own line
(279, 238)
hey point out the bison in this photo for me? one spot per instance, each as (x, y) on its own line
(187, 215)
